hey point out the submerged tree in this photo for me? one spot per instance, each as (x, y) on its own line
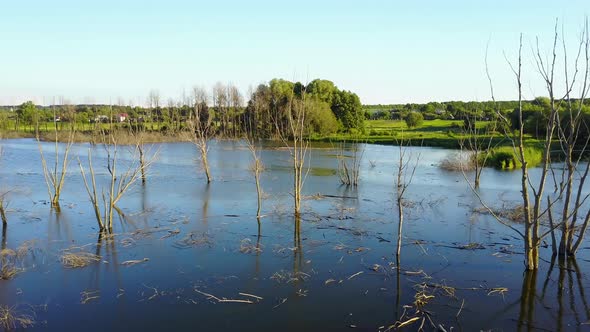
(406, 168)
(201, 127)
(55, 176)
(349, 167)
(104, 198)
(257, 167)
(477, 142)
(297, 143)
(563, 123)
(3, 195)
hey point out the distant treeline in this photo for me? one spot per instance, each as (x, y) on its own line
(534, 111)
(266, 114)
(328, 110)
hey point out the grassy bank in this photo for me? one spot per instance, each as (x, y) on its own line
(433, 133)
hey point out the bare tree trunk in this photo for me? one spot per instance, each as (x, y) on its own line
(3, 212)
(204, 161)
(402, 183)
(400, 214)
(141, 163)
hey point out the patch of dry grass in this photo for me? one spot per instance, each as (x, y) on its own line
(79, 259)
(457, 162)
(8, 270)
(248, 247)
(194, 240)
(514, 213)
(10, 319)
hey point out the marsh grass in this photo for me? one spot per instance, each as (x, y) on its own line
(248, 247)
(9, 261)
(194, 240)
(79, 259)
(10, 319)
(515, 213)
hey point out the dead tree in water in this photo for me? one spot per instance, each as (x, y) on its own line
(257, 167)
(298, 145)
(137, 132)
(404, 175)
(349, 172)
(104, 199)
(55, 176)
(201, 128)
(3, 194)
(478, 144)
(565, 120)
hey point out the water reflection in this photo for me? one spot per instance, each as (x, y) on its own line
(569, 298)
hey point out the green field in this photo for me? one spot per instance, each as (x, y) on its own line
(440, 133)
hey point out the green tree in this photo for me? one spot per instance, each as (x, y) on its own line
(322, 90)
(27, 114)
(320, 119)
(347, 108)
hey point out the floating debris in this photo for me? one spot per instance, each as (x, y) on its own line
(134, 261)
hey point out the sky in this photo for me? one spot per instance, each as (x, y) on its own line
(386, 51)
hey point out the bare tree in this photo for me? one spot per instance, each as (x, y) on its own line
(3, 195)
(236, 101)
(349, 167)
(220, 105)
(104, 199)
(257, 167)
(55, 176)
(298, 145)
(405, 171)
(201, 127)
(137, 132)
(154, 106)
(569, 196)
(478, 144)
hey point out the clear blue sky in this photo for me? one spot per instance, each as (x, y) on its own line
(385, 51)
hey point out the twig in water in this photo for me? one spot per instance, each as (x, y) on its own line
(280, 303)
(134, 261)
(460, 309)
(224, 300)
(88, 296)
(250, 295)
(356, 274)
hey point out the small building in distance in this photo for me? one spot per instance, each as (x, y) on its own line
(122, 117)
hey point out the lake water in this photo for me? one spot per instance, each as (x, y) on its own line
(338, 274)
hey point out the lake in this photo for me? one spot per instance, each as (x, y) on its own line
(182, 247)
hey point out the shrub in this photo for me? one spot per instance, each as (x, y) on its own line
(456, 162)
(506, 158)
(414, 119)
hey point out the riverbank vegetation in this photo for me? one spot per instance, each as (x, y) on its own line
(333, 115)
